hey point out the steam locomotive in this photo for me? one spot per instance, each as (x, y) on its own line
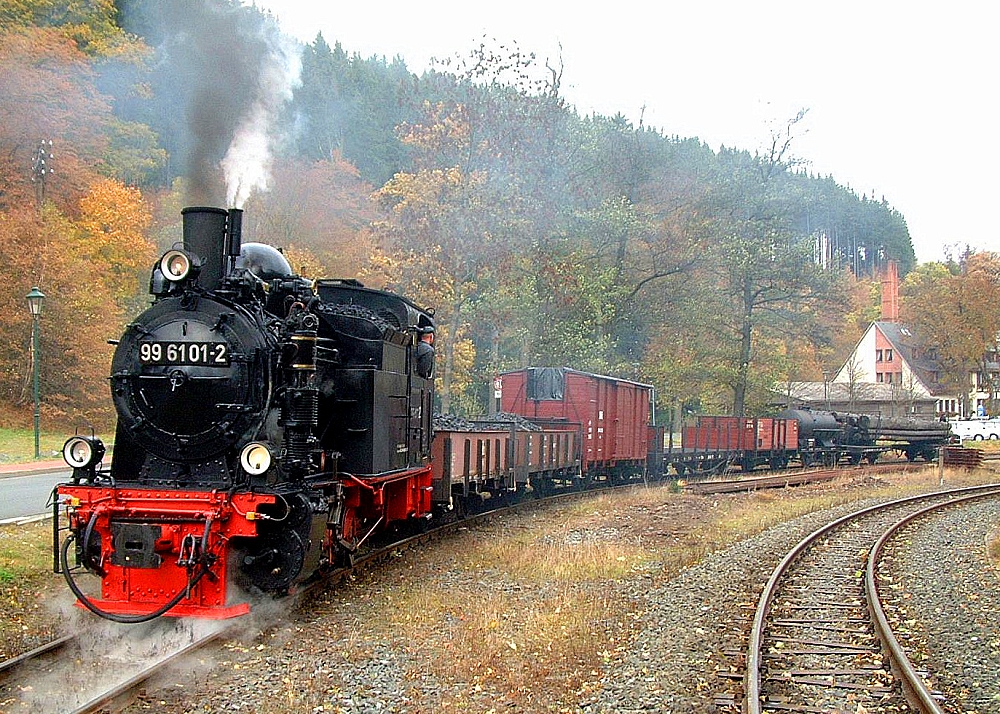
(268, 426)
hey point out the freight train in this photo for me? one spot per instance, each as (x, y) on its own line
(558, 428)
(795, 437)
(272, 427)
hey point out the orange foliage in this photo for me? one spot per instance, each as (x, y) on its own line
(323, 207)
(89, 273)
(113, 225)
(47, 89)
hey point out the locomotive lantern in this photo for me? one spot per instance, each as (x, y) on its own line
(267, 427)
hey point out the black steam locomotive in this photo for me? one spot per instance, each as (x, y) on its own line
(268, 426)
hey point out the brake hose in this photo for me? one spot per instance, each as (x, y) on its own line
(123, 619)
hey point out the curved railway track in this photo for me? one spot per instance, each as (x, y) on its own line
(820, 638)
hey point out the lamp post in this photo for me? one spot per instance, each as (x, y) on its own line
(35, 299)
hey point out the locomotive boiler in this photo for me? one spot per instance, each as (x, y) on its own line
(268, 426)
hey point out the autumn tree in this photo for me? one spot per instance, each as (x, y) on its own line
(464, 207)
(89, 270)
(48, 94)
(644, 233)
(768, 282)
(111, 235)
(91, 25)
(322, 206)
(953, 311)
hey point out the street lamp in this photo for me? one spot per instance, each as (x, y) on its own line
(35, 299)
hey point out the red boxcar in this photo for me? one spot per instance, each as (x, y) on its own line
(610, 415)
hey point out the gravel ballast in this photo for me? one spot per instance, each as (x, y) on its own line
(950, 603)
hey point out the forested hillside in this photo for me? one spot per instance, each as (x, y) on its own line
(540, 236)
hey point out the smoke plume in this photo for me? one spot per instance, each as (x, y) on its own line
(235, 72)
(248, 159)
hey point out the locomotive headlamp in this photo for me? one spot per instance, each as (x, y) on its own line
(255, 458)
(175, 265)
(83, 452)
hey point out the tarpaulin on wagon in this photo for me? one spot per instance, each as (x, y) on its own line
(546, 383)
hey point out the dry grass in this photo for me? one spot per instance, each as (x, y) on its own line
(529, 613)
(524, 618)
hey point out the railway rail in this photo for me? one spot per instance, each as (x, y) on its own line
(782, 479)
(820, 636)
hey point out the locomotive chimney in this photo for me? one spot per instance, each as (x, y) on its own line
(205, 236)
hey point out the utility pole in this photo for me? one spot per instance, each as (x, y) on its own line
(41, 167)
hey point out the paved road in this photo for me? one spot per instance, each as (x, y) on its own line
(25, 488)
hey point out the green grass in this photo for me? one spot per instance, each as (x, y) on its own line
(25, 551)
(18, 445)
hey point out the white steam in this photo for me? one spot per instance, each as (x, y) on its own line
(247, 163)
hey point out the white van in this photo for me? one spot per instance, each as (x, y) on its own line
(976, 429)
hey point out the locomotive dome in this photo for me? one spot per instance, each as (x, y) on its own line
(264, 261)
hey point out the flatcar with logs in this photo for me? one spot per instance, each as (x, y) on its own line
(796, 437)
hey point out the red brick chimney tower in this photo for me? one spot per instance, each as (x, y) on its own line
(890, 293)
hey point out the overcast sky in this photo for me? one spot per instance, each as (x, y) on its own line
(901, 95)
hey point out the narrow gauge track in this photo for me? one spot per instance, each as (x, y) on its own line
(101, 668)
(814, 645)
(89, 669)
(782, 479)
(56, 676)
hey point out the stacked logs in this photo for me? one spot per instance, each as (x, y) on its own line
(904, 429)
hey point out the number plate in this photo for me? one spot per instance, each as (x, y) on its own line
(204, 354)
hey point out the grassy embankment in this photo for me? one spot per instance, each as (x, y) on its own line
(18, 445)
